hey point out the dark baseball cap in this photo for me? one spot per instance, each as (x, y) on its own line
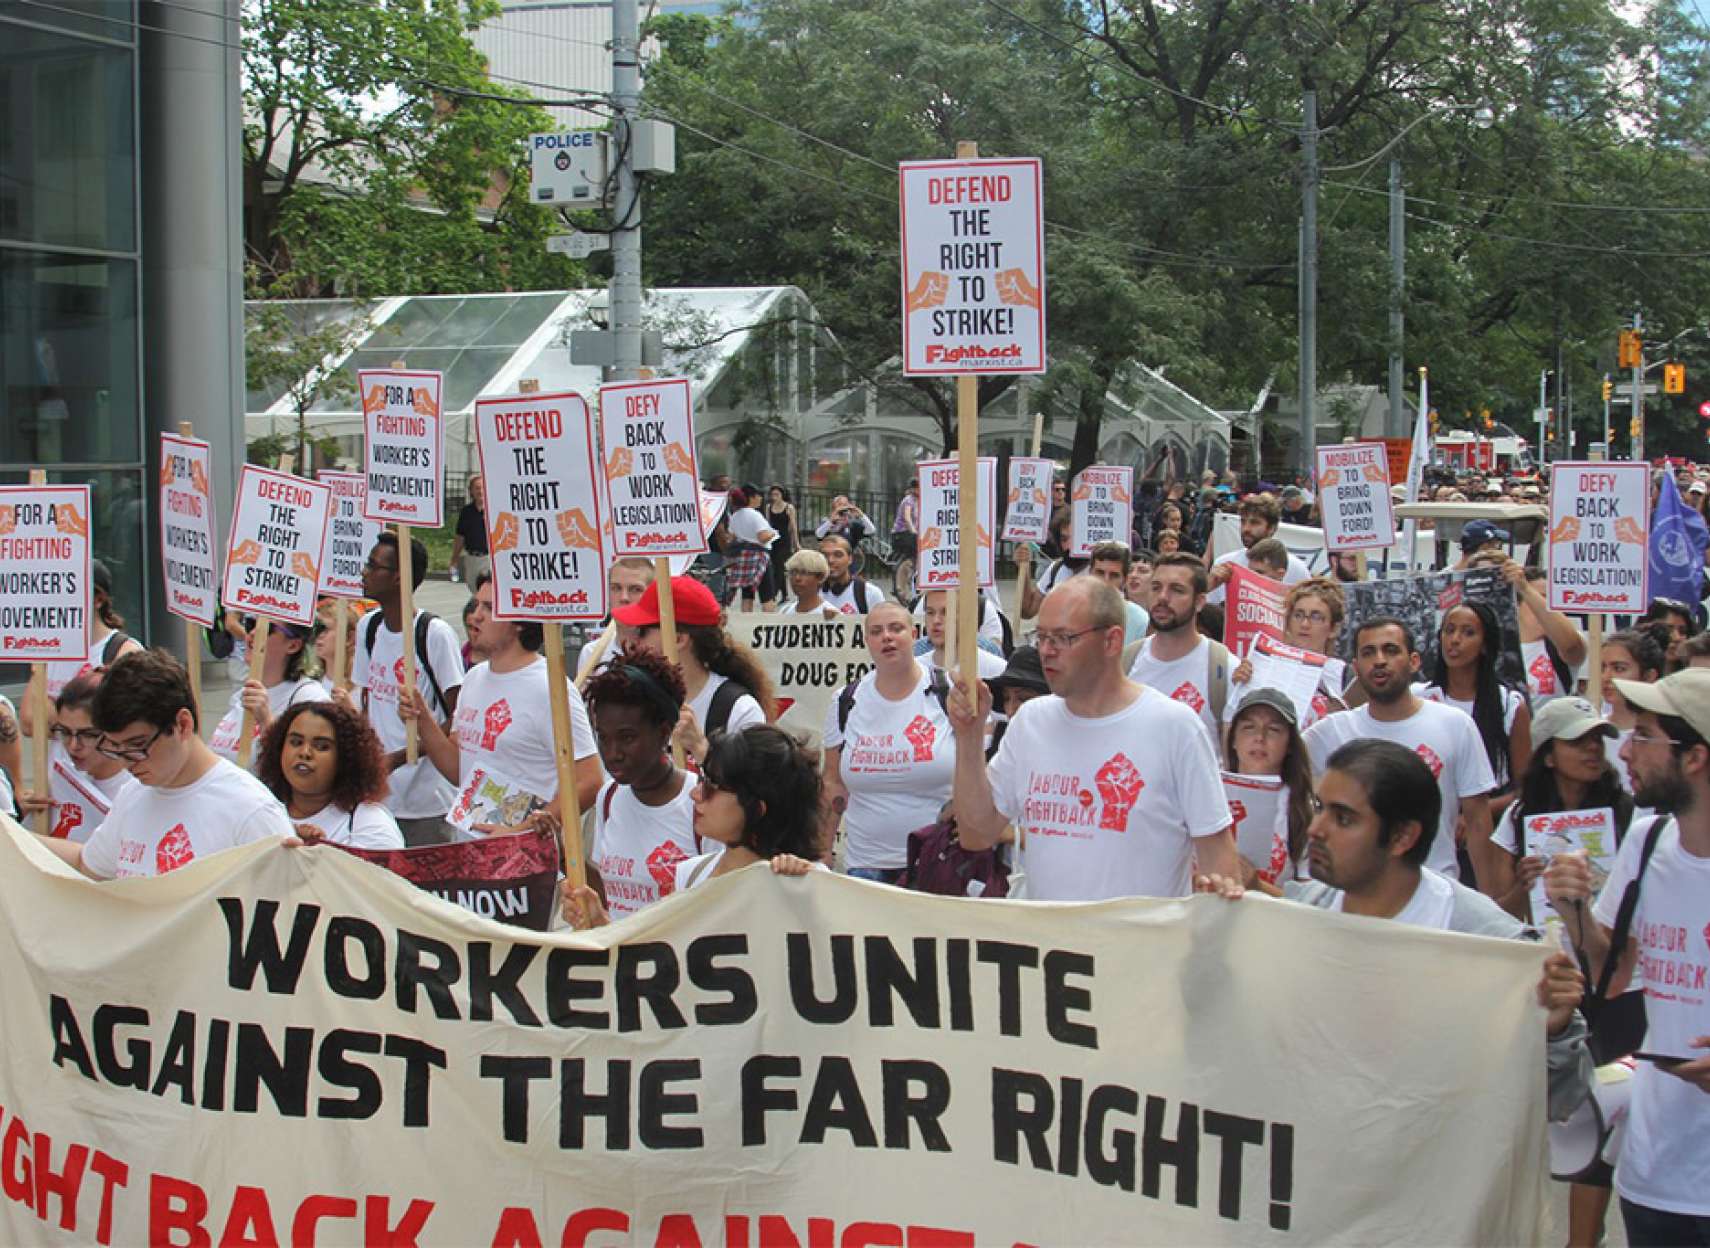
(1479, 532)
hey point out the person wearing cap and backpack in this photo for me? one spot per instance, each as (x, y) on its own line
(1647, 929)
(726, 687)
(420, 796)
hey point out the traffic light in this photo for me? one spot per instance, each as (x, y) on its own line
(1633, 428)
(1434, 421)
(1630, 350)
(1674, 379)
(1608, 389)
(1484, 415)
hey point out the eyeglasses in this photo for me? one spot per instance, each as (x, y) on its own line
(379, 567)
(129, 754)
(84, 736)
(712, 788)
(1645, 738)
(1060, 640)
(1299, 616)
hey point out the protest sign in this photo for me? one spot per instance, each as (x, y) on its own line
(1029, 515)
(647, 431)
(1422, 600)
(973, 266)
(404, 446)
(1567, 832)
(1254, 608)
(938, 564)
(79, 806)
(1258, 805)
(543, 507)
(375, 1065)
(1353, 492)
(187, 530)
(494, 800)
(279, 525)
(1289, 670)
(808, 660)
(1101, 508)
(350, 536)
(1599, 537)
(44, 573)
(1306, 543)
(513, 878)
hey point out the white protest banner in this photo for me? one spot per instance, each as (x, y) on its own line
(44, 572)
(938, 564)
(647, 430)
(187, 529)
(1599, 537)
(973, 266)
(1567, 832)
(291, 1045)
(1254, 608)
(1353, 489)
(808, 659)
(349, 535)
(543, 506)
(404, 440)
(1101, 508)
(1029, 516)
(279, 526)
(1259, 807)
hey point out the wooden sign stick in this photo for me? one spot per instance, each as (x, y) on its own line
(968, 494)
(668, 629)
(407, 596)
(1023, 551)
(1594, 663)
(257, 662)
(37, 693)
(341, 650)
(192, 634)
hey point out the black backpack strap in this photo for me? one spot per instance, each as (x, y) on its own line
(845, 704)
(423, 620)
(1564, 673)
(606, 802)
(938, 685)
(115, 642)
(860, 587)
(1624, 915)
(724, 700)
(374, 622)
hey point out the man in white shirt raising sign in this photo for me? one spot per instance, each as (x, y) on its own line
(1118, 792)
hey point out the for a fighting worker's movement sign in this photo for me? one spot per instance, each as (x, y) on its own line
(187, 529)
(1599, 537)
(1029, 516)
(543, 507)
(279, 525)
(647, 432)
(404, 433)
(287, 1045)
(44, 572)
(938, 563)
(973, 266)
(1101, 508)
(349, 536)
(1353, 485)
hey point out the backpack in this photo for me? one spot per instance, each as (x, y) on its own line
(938, 864)
(1216, 672)
(423, 619)
(859, 585)
(724, 700)
(938, 685)
(1008, 629)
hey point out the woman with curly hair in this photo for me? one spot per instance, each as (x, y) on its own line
(323, 761)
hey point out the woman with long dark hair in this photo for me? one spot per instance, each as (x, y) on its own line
(1264, 740)
(1463, 675)
(780, 513)
(1631, 654)
(323, 761)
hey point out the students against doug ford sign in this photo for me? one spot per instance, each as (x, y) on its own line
(404, 436)
(647, 431)
(279, 525)
(973, 266)
(1599, 537)
(44, 572)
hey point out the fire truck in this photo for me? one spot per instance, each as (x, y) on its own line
(1504, 451)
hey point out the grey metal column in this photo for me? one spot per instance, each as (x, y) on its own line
(189, 122)
(1397, 423)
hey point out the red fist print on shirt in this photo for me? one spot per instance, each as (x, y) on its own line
(1544, 675)
(921, 734)
(174, 850)
(662, 866)
(1188, 694)
(494, 723)
(1119, 784)
(1431, 760)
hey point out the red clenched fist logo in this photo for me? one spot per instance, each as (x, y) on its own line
(494, 723)
(1237, 811)
(398, 672)
(70, 819)
(662, 866)
(921, 734)
(1119, 784)
(1278, 863)
(1544, 674)
(174, 850)
(1188, 694)
(1431, 760)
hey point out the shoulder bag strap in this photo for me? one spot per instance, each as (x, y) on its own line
(1624, 915)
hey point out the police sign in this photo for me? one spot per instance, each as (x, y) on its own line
(567, 167)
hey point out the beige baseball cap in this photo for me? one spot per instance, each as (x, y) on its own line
(1685, 695)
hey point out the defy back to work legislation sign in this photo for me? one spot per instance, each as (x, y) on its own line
(973, 266)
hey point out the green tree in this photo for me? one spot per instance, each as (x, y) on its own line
(290, 348)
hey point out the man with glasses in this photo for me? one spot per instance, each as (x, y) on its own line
(189, 802)
(420, 796)
(83, 783)
(1114, 792)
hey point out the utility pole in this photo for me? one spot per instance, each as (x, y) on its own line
(1543, 416)
(624, 293)
(1638, 427)
(1308, 279)
(1397, 293)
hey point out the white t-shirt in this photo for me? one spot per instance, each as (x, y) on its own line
(898, 763)
(151, 830)
(990, 665)
(794, 607)
(747, 524)
(745, 714)
(1542, 680)
(1186, 680)
(1665, 1156)
(638, 847)
(1511, 703)
(61, 672)
(1432, 904)
(844, 599)
(369, 826)
(1111, 805)
(693, 872)
(503, 726)
(224, 740)
(991, 623)
(1296, 573)
(418, 790)
(1445, 738)
(1058, 572)
(81, 802)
